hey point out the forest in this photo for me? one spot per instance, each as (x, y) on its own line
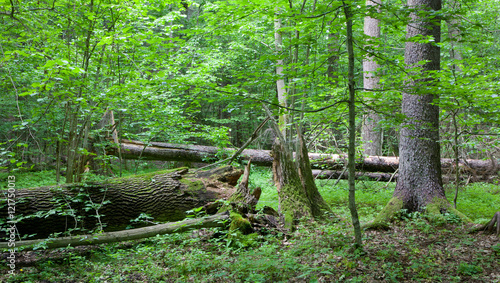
(249, 141)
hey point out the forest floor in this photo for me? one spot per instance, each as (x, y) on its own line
(412, 251)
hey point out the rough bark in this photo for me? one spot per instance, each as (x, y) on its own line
(217, 220)
(199, 153)
(420, 181)
(370, 134)
(165, 196)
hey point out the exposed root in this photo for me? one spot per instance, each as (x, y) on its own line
(387, 215)
(435, 210)
(434, 213)
(491, 227)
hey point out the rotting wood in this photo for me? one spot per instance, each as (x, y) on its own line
(164, 196)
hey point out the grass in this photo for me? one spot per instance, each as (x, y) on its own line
(413, 251)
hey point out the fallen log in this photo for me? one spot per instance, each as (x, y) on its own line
(111, 205)
(199, 153)
(329, 174)
(386, 177)
(217, 220)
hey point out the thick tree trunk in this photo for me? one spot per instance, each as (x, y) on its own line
(420, 179)
(165, 196)
(297, 191)
(200, 153)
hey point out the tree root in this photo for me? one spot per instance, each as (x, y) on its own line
(491, 227)
(386, 216)
(434, 213)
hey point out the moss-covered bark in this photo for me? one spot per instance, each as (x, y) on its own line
(298, 195)
(165, 196)
(434, 212)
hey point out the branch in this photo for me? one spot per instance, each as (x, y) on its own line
(277, 105)
(216, 220)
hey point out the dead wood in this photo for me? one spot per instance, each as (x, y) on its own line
(111, 205)
(198, 153)
(218, 220)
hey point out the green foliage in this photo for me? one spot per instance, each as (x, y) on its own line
(469, 269)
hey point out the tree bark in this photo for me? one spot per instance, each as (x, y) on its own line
(420, 179)
(199, 153)
(298, 195)
(370, 134)
(281, 90)
(352, 128)
(165, 196)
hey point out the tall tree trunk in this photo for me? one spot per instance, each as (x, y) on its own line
(454, 35)
(420, 186)
(420, 169)
(352, 128)
(332, 69)
(370, 134)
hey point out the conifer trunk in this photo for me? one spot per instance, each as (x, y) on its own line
(420, 179)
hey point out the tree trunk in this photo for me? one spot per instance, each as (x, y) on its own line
(370, 134)
(420, 180)
(164, 196)
(200, 153)
(352, 128)
(280, 82)
(298, 195)
(297, 191)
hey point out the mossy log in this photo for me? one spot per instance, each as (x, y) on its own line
(164, 196)
(218, 220)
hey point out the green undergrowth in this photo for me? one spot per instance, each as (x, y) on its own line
(478, 201)
(313, 253)
(412, 251)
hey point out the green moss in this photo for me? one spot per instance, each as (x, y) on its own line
(294, 204)
(238, 223)
(193, 185)
(434, 211)
(386, 215)
(142, 177)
